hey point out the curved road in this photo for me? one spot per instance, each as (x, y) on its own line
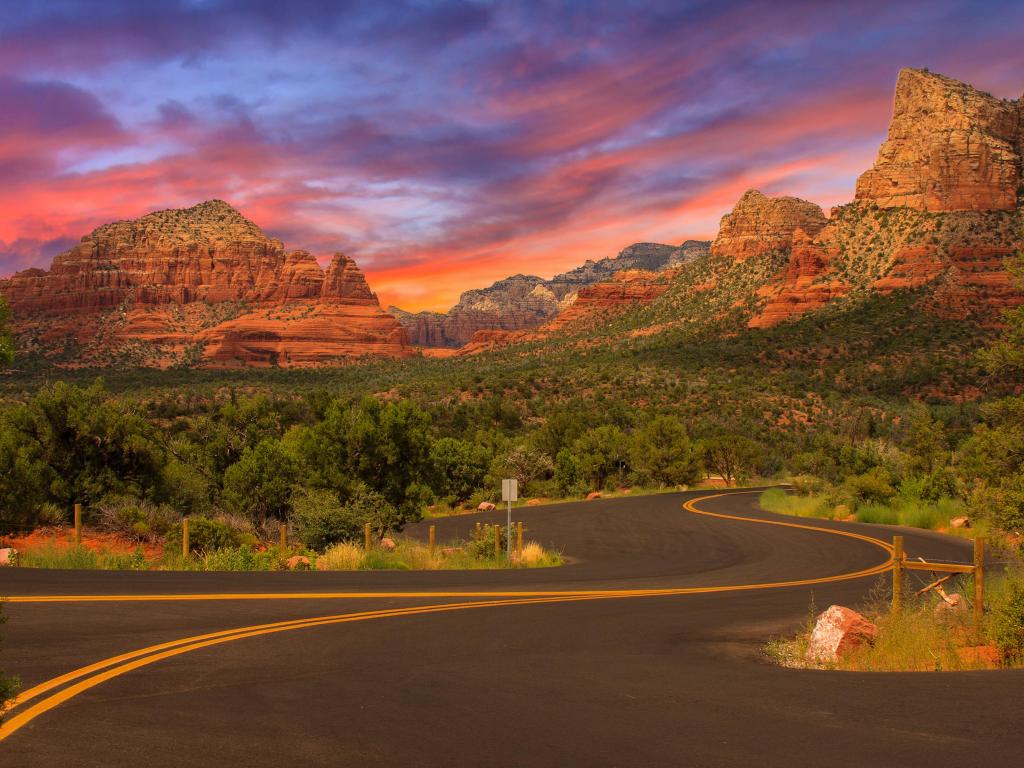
(644, 650)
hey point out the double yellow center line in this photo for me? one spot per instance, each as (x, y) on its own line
(87, 677)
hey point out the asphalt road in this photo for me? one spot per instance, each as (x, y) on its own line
(597, 680)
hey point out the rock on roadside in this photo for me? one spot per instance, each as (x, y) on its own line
(837, 632)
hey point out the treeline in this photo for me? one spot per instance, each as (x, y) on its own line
(321, 460)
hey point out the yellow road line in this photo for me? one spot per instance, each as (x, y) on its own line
(99, 672)
(689, 506)
(153, 654)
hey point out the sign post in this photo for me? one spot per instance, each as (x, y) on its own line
(509, 493)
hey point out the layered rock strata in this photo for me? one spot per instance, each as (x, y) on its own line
(203, 283)
(758, 224)
(950, 147)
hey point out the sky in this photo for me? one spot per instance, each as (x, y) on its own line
(445, 145)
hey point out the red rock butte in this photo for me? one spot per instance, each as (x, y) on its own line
(200, 285)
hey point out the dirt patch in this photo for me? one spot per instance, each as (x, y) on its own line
(94, 541)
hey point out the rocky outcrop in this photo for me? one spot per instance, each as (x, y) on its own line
(950, 148)
(516, 303)
(611, 297)
(303, 335)
(595, 304)
(939, 207)
(424, 329)
(758, 224)
(805, 285)
(523, 302)
(204, 281)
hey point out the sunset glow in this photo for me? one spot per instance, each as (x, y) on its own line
(447, 145)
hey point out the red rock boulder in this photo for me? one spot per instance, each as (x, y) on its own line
(837, 632)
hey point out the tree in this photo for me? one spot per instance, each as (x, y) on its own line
(459, 467)
(603, 455)
(86, 445)
(926, 442)
(661, 451)
(732, 457)
(6, 340)
(386, 446)
(259, 485)
(23, 478)
(524, 464)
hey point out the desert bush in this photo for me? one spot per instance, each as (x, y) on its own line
(873, 486)
(345, 556)
(134, 518)
(234, 558)
(205, 535)
(481, 542)
(51, 515)
(321, 520)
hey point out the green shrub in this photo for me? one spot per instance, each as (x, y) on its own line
(321, 520)
(239, 558)
(877, 513)
(1007, 620)
(8, 685)
(481, 542)
(873, 486)
(205, 535)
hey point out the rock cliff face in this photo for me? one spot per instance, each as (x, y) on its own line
(758, 224)
(523, 302)
(594, 305)
(200, 285)
(950, 148)
(516, 303)
(940, 206)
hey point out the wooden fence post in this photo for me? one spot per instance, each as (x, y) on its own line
(897, 573)
(519, 541)
(284, 537)
(78, 524)
(184, 538)
(433, 540)
(979, 585)
(497, 541)
(366, 537)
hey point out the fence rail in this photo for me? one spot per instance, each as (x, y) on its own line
(975, 569)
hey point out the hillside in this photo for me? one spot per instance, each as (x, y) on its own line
(523, 302)
(940, 211)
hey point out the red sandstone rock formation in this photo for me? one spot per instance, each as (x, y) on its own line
(203, 276)
(628, 288)
(805, 284)
(758, 224)
(950, 148)
(592, 305)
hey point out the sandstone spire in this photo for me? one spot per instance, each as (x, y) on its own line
(950, 148)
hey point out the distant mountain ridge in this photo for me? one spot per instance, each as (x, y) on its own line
(522, 302)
